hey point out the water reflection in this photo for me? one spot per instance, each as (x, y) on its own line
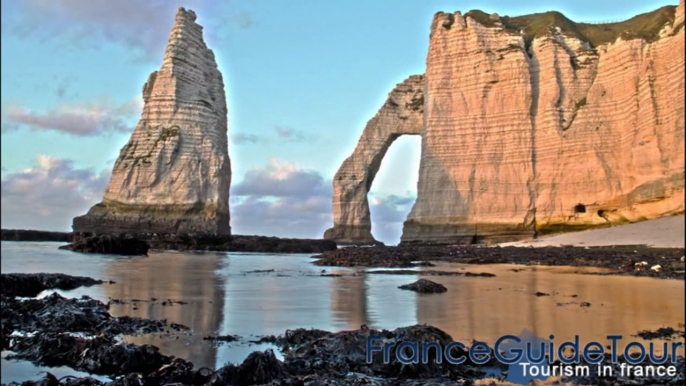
(192, 279)
(488, 308)
(225, 295)
(349, 301)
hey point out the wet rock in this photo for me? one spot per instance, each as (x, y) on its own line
(620, 260)
(260, 271)
(429, 273)
(665, 333)
(425, 286)
(258, 368)
(56, 314)
(300, 336)
(342, 353)
(113, 244)
(480, 274)
(236, 243)
(33, 235)
(97, 355)
(222, 338)
(31, 284)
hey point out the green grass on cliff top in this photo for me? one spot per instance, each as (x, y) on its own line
(645, 26)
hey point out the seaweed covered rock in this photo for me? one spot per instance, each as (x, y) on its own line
(111, 244)
(338, 354)
(97, 355)
(258, 368)
(31, 284)
(425, 287)
(56, 314)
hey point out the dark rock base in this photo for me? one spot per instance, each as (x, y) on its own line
(424, 286)
(31, 284)
(114, 244)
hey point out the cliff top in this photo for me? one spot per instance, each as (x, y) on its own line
(645, 26)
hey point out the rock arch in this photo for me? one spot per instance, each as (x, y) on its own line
(401, 114)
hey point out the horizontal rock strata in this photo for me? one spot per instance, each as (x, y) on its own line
(174, 173)
(401, 114)
(529, 134)
(536, 124)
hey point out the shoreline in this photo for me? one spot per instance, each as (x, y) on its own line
(663, 263)
(178, 242)
(308, 356)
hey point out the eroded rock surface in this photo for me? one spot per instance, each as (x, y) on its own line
(401, 114)
(542, 131)
(174, 173)
(532, 125)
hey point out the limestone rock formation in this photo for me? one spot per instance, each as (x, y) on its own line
(400, 114)
(537, 124)
(554, 130)
(173, 175)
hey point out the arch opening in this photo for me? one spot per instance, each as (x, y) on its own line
(401, 114)
(394, 189)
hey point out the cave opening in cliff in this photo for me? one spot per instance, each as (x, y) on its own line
(394, 189)
(579, 208)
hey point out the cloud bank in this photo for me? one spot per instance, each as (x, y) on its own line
(278, 199)
(75, 119)
(49, 195)
(282, 199)
(140, 25)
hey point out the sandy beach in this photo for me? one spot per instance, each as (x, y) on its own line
(666, 232)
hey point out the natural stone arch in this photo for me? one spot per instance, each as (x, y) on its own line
(401, 114)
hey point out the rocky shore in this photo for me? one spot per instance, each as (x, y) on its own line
(31, 284)
(34, 235)
(112, 243)
(82, 335)
(665, 263)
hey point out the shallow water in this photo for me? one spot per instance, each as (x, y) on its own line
(224, 297)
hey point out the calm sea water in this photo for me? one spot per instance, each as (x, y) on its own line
(225, 296)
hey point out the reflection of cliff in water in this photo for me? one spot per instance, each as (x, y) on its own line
(488, 308)
(193, 280)
(349, 304)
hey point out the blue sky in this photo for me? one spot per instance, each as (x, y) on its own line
(302, 79)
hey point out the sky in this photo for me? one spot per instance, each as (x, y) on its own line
(302, 78)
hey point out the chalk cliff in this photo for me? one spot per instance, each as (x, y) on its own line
(401, 114)
(174, 173)
(537, 124)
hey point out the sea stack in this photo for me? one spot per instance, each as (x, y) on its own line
(174, 173)
(536, 124)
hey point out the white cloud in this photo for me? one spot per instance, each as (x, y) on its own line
(281, 179)
(77, 119)
(281, 199)
(284, 200)
(141, 25)
(49, 195)
(278, 199)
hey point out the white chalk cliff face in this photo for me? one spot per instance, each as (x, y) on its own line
(173, 175)
(525, 135)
